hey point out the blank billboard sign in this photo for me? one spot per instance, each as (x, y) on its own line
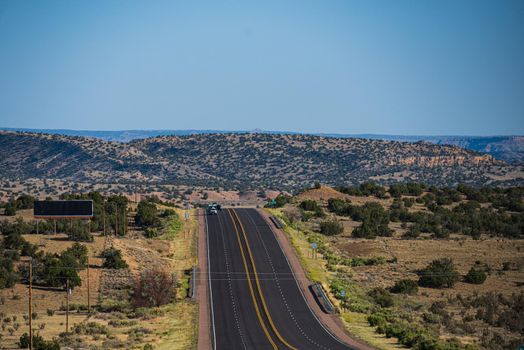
(63, 209)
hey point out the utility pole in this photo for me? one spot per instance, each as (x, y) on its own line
(30, 303)
(104, 216)
(88, 290)
(116, 219)
(124, 215)
(67, 306)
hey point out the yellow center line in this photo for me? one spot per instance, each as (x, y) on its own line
(266, 310)
(251, 286)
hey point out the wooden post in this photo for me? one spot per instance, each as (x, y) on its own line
(30, 303)
(67, 306)
(104, 216)
(37, 226)
(88, 290)
(125, 222)
(116, 220)
(55, 226)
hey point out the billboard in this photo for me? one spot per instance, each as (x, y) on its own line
(82, 209)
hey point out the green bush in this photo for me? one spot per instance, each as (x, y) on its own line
(439, 274)
(405, 286)
(382, 297)
(147, 214)
(151, 232)
(475, 276)
(10, 209)
(113, 259)
(331, 227)
(38, 343)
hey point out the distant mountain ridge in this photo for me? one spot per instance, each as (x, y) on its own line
(248, 160)
(508, 148)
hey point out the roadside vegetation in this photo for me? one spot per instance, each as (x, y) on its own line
(140, 268)
(424, 267)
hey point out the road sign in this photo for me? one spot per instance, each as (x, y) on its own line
(342, 293)
(314, 245)
(186, 215)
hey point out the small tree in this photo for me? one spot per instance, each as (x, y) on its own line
(331, 227)
(155, 287)
(475, 276)
(439, 274)
(381, 297)
(147, 214)
(38, 343)
(10, 209)
(113, 259)
(405, 286)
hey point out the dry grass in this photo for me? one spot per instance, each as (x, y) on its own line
(169, 327)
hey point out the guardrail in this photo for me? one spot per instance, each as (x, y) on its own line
(322, 298)
(276, 222)
(192, 283)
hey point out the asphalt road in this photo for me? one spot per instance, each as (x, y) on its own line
(256, 302)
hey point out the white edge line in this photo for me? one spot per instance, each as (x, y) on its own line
(298, 286)
(210, 289)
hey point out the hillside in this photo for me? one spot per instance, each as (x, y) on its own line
(507, 148)
(247, 160)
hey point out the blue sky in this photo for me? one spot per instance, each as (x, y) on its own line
(393, 67)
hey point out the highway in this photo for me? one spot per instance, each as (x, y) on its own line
(255, 300)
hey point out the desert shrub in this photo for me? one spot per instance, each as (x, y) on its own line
(405, 286)
(90, 328)
(331, 227)
(155, 287)
(113, 259)
(38, 343)
(79, 252)
(151, 232)
(312, 206)
(110, 305)
(439, 274)
(292, 214)
(475, 276)
(8, 275)
(309, 205)
(506, 266)
(382, 297)
(412, 232)
(10, 208)
(340, 207)
(364, 189)
(79, 233)
(375, 220)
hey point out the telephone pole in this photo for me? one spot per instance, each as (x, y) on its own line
(30, 306)
(88, 290)
(67, 306)
(104, 216)
(116, 219)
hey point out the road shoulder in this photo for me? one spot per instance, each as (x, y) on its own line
(331, 322)
(202, 295)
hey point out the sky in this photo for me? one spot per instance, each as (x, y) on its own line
(325, 66)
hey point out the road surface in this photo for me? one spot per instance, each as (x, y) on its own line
(255, 300)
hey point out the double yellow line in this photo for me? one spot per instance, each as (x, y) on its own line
(251, 289)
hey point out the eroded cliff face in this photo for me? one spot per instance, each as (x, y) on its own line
(246, 160)
(451, 160)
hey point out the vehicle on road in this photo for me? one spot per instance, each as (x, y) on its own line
(212, 209)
